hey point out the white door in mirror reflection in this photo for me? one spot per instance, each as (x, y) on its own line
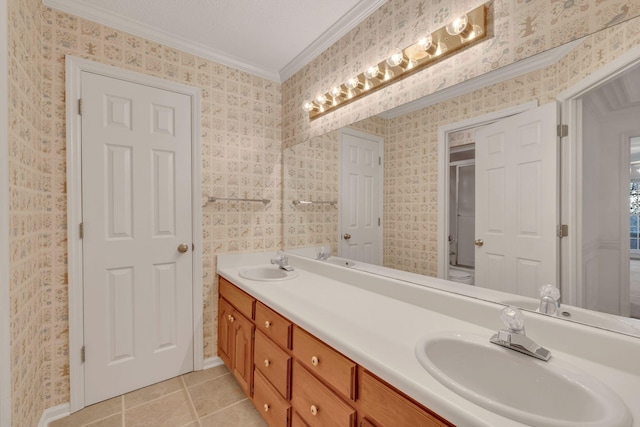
(360, 196)
(516, 199)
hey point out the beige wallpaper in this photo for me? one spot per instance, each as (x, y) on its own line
(241, 157)
(30, 261)
(520, 29)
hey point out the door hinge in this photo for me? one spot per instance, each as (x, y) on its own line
(82, 230)
(379, 161)
(378, 222)
(80, 106)
(83, 354)
(563, 230)
(563, 130)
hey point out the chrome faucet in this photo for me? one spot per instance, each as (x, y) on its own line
(514, 337)
(549, 300)
(283, 261)
(324, 254)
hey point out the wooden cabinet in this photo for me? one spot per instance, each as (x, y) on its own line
(386, 407)
(325, 362)
(275, 409)
(295, 379)
(316, 404)
(235, 333)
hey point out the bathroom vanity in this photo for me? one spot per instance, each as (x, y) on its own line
(331, 346)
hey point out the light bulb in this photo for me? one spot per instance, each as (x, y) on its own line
(459, 26)
(397, 58)
(309, 106)
(321, 99)
(372, 72)
(426, 44)
(336, 92)
(353, 83)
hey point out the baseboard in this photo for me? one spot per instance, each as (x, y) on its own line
(55, 413)
(63, 410)
(212, 362)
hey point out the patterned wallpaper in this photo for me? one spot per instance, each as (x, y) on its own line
(520, 29)
(245, 120)
(411, 150)
(241, 157)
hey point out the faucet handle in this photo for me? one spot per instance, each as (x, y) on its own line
(513, 319)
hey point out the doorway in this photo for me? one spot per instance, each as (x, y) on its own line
(360, 194)
(139, 320)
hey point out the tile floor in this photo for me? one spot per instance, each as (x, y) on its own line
(210, 398)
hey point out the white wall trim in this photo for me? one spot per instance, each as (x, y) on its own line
(74, 68)
(507, 72)
(443, 173)
(334, 33)
(131, 26)
(5, 319)
(55, 413)
(212, 362)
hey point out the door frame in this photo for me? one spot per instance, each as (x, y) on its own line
(380, 141)
(443, 173)
(74, 69)
(571, 171)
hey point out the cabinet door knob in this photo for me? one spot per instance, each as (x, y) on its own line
(230, 318)
(314, 361)
(266, 363)
(266, 407)
(267, 324)
(314, 410)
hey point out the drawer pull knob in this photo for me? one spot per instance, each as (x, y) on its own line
(314, 361)
(231, 319)
(266, 408)
(267, 324)
(314, 410)
(266, 363)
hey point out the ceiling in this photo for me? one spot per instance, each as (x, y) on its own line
(271, 39)
(618, 94)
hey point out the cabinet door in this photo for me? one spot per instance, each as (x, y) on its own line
(225, 332)
(242, 364)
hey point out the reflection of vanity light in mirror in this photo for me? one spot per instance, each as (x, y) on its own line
(470, 28)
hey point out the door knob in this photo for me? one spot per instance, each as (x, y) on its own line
(182, 248)
(346, 236)
(479, 242)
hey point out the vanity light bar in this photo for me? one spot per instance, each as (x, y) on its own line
(461, 31)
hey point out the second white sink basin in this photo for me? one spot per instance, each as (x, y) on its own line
(520, 387)
(266, 273)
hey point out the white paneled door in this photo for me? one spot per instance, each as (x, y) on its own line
(516, 202)
(360, 197)
(137, 247)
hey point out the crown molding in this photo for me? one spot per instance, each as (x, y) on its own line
(334, 33)
(103, 16)
(507, 72)
(131, 26)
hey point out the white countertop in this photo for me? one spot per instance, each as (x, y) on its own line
(376, 321)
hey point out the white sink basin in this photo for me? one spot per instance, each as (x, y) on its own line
(267, 273)
(341, 261)
(545, 394)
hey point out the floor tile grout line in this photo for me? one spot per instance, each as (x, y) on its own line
(227, 407)
(193, 406)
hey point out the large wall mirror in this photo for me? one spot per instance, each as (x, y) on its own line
(424, 176)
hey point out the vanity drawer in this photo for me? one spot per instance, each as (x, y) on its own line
(274, 363)
(273, 408)
(242, 301)
(324, 361)
(387, 407)
(316, 404)
(276, 327)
